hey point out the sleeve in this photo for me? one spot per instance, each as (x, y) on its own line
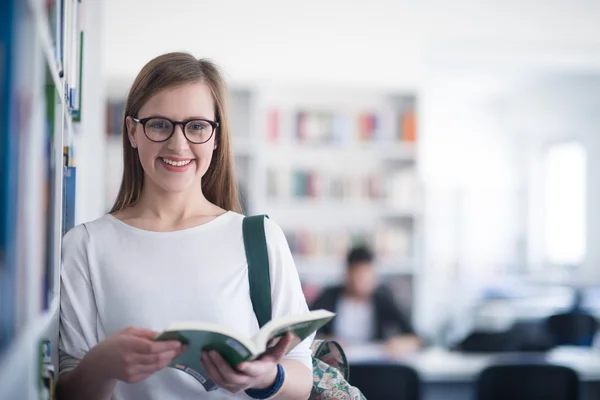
(326, 300)
(78, 313)
(394, 313)
(286, 291)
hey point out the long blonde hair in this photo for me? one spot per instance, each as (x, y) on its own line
(168, 70)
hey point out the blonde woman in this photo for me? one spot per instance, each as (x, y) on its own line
(172, 249)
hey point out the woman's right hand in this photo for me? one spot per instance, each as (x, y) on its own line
(132, 355)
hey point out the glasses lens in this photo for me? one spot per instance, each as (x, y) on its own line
(198, 131)
(158, 129)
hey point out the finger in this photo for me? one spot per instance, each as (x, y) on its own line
(168, 345)
(254, 368)
(212, 370)
(142, 333)
(145, 346)
(156, 358)
(229, 374)
(277, 352)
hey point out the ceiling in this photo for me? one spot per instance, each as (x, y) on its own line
(376, 43)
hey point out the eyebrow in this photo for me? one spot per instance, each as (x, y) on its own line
(185, 119)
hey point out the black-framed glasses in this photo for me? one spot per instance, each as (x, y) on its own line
(160, 129)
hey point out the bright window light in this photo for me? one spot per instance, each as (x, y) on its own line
(565, 203)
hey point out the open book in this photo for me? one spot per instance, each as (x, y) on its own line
(200, 336)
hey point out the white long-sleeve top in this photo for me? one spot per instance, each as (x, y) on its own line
(115, 276)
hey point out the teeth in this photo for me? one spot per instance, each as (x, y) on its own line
(176, 163)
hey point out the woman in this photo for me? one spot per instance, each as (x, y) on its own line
(171, 250)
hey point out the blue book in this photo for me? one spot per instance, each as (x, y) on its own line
(70, 177)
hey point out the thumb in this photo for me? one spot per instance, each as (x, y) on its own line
(277, 352)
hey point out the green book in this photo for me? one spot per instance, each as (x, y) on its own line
(236, 348)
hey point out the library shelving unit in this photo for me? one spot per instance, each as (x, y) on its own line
(332, 166)
(41, 43)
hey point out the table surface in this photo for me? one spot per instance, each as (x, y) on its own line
(438, 364)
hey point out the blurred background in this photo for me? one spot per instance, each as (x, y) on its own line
(459, 140)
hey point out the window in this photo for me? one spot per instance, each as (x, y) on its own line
(565, 204)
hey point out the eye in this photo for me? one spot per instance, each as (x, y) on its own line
(198, 126)
(158, 124)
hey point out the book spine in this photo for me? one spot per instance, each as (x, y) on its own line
(70, 179)
(8, 176)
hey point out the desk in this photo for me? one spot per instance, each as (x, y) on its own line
(450, 375)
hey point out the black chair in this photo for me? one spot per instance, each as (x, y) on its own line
(527, 382)
(489, 342)
(575, 329)
(386, 381)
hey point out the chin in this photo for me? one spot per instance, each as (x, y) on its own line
(174, 188)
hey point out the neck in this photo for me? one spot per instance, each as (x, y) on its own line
(173, 207)
(356, 297)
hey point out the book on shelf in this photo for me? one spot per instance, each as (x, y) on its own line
(115, 110)
(402, 189)
(7, 181)
(273, 125)
(69, 186)
(234, 347)
(388, 241)
(408, 124)
(343, 127)
(397, 189)
(66, 30)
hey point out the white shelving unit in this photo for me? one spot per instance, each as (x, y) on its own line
(342, 155)
(40, 95)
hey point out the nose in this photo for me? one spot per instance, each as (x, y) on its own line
(178, 142)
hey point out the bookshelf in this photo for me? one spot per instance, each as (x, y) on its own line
(41, 43)
(331, 166)
(340, 166)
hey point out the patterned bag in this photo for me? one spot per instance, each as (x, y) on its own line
(330, 367)
(331, 372)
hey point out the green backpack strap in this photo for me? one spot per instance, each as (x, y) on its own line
(255, 244)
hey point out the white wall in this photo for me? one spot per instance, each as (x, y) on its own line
(553, 109)
(471, 165)
(379, 42)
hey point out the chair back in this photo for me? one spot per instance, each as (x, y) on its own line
(386, 381)
(573, 329)
(527, 381)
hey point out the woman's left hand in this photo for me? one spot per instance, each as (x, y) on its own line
(258, 374)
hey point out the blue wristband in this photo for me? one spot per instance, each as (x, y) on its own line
(268, 392)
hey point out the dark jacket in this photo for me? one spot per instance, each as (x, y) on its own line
(389, 320)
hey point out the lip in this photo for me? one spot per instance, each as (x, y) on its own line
(177, 158)
(173, 168)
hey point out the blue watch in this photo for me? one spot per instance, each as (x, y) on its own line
(271, 391)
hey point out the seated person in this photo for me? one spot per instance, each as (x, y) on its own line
(366, 312)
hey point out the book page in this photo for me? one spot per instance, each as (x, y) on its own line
(300, 328)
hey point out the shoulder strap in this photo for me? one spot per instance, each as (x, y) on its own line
(255, 244)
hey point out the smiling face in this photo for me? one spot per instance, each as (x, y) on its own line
(175, 165)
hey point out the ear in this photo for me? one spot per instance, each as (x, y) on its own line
(131, 125)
